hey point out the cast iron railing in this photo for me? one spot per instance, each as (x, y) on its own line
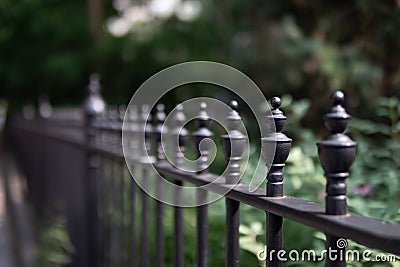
(54, 153)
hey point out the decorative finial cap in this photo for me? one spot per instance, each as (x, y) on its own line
(121, 111)
(159, 113)
(202, 119)
(234, 105)
(276, 114)
(94, 83)
(337, 118)
(233, 144)
(275, 102)
(132, 113)
(179, 117)
(234, 120)
(145, 112)
(200, 134)
(94, 102)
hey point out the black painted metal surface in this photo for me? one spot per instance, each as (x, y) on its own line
(106, 188)
(202, 132)
(233, 143)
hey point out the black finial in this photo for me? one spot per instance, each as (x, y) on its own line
(158, 130)
(121, 112)
(202, 120)
(336, 119)
(233, 143)
(114, 127)
(277, 114)
(179, 117)
(145, 129)
(118, 125)
(94, 103)
(94, 83)
(336, 154)
(180, 134)
(105, 127)
(132, 130)
(337, 98)
(275, 102)
(282, 146)
(45, 109)
(234, 105)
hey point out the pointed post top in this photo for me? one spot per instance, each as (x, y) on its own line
(94, 83)
(179, 117)
(276, 114)
(145, 128)
(132, 114)
(158, 130)
(113, 114)
(233, 144)
(121, 111)
(202, 121)
(94, 103)
(179, 133)
(131, 131)
(282, 144)
(233, 118)
(145, 112)
(337, 118)
(159, 113)
(45, 108)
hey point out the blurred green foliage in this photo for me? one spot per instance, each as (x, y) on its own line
(302, 47)
(54, 247)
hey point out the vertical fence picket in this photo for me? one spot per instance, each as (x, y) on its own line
(115, 253)
(108, 183)
(336, 154)
(202, 132)
(179, 135)
(145, 160)
(132, 128)
(233, 145)
(158, 130)
(100, 189)
(275, 179)
(132, 224)
(121, 190)
(93, 105)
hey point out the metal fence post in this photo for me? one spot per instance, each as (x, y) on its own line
(133, 129)
(275, 180)
(336, 154)
(146, 160)
(233, 143)
(93, 105)
(202, 132)
(158, 130)
(179, 134)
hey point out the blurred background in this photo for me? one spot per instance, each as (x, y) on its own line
(301, 50)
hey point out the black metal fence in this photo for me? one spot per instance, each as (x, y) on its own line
(79, 165)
